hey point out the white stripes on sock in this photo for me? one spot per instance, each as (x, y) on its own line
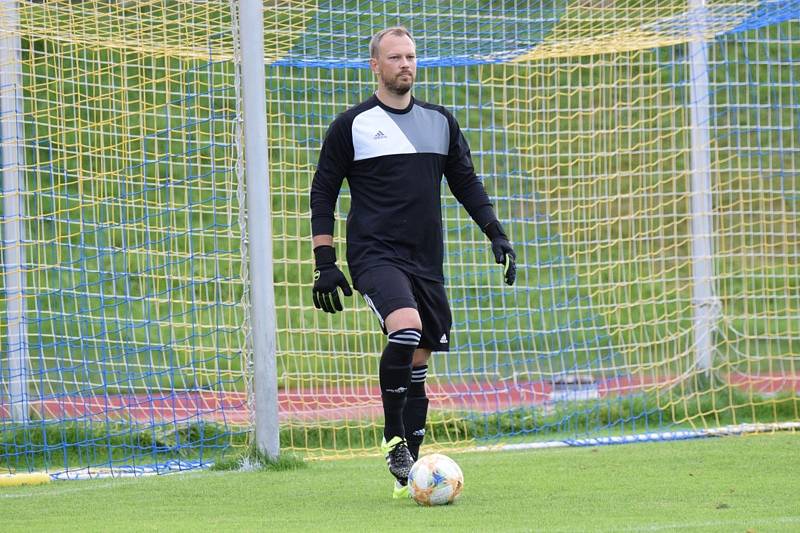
(409, 337)
(418, 374)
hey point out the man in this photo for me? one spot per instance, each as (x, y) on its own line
(393, 150)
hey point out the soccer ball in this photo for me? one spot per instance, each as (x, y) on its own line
(435, 480)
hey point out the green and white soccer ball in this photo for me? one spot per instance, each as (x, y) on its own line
(435, 480)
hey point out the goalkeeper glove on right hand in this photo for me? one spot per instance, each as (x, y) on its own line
(327, 280)
(503, 252)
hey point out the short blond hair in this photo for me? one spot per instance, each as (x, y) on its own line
(375, 42)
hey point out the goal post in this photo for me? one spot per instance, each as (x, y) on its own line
(259, 225)
(705, 305)
(12, 230)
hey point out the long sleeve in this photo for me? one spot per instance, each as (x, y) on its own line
(463, 181)
(333, 165)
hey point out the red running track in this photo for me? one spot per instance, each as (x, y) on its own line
(333, 402)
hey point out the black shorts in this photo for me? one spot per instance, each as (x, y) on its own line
(387, 289)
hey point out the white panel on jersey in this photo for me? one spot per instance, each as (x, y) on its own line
(375, 134)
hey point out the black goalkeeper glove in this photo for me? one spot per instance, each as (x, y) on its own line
(503, 252)
(327, 280)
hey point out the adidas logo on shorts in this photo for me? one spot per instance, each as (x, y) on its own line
(443, 340)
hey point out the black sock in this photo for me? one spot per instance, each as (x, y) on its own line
(416, 410)
(395, 373)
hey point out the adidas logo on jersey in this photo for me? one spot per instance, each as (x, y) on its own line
(379, 136)
(443, 340)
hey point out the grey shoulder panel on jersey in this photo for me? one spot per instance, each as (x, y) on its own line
(426, 129)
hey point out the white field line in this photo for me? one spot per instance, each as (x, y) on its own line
(665, 436)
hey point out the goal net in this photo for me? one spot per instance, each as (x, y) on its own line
(643, 157)
(123, 329)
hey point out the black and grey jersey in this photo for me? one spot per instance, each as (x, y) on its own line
(394, 161)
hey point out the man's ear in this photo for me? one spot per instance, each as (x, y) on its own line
(373, 65)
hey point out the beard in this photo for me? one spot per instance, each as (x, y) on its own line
(400, 85)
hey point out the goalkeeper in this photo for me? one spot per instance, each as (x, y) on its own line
(394, 150)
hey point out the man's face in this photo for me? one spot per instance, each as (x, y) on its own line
(396, 64)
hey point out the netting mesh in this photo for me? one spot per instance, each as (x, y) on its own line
(128, 198)
(579, 118)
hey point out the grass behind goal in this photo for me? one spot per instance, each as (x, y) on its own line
(578, 118)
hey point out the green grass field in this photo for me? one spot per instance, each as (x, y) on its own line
(723, 484)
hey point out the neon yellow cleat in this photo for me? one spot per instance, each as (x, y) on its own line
(386, 447)
(398, 458)
(400, 491)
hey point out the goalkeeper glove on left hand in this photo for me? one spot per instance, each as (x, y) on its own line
(327, 280)
(503, 252)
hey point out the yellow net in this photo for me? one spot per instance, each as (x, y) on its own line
(128, 197)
